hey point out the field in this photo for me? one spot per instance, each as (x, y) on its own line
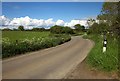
(20, 42)
(21, 35)
(107, 61)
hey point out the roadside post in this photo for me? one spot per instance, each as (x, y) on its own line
(104, 42)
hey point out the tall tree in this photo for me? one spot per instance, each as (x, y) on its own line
(21, 28)
(117, 24)
(78, 27)
(109, 13)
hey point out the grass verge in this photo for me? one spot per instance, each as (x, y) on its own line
(107, 61)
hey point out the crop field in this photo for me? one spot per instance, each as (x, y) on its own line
(107, 61)
(20, 42)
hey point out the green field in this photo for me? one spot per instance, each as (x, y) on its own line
(20, 42)
(107, 61)
(21, 35)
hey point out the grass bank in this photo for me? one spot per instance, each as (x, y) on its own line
(107, 61)
(17, 42)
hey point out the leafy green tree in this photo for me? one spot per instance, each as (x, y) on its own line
(109, 12)
(103, 27)
(61, 30)
(68, 30)
(21, 28)
(78, 27)
(116, 25)
(56, 29)
(93, 28)
(38, 29)
(118, 19)
(98, 28)
(83, 28)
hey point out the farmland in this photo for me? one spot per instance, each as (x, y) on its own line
(21, 35)
(20, 42)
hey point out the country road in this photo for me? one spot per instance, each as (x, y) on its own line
(50, 63)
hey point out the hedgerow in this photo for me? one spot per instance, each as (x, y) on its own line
(12, 48)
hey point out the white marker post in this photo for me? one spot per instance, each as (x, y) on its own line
(104, 43)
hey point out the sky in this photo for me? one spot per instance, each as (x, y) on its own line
(49, 13)
(57, 0)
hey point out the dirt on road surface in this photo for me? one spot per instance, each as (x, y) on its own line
(51, 63)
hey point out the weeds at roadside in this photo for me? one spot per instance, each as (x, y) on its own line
(107, 61)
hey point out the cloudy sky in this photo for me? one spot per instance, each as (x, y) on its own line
(46, 14)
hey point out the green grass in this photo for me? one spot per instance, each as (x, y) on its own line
(29, 41)
(21, 35)
(107, 61)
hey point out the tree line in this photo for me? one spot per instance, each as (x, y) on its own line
(21, 28)
(54, 29)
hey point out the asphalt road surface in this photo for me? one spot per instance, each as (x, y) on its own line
(51, 63)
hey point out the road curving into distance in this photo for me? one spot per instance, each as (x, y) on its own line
(50, 63)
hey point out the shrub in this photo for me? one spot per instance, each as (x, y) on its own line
(10, 48)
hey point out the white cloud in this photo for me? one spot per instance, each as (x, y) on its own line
(74, 22)
(49, 22)
(60, 22)
(4, 20)
(29, 23)
(20, 21)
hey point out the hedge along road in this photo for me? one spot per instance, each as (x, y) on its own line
(51, 63)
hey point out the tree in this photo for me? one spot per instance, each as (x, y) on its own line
(94, 28)
(56, 29)
(118, 19)
(116, 25)
(38, 29)
(21, 28)
(109, 13)
(61, 30)
(68, 30)
(78, 27)
(6, 29)
(83, 28)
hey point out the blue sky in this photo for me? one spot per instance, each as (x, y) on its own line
(57, 10)
(53, 0)
(47, 14)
